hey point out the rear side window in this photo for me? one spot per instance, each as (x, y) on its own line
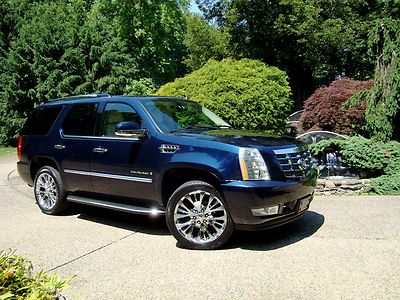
(41, 120)
(81, 120)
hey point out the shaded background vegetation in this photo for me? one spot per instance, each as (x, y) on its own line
(52, 48)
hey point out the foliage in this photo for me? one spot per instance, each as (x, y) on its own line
(383, 111)
(17, 280)
(246, 93)
(153, 32)
(141, 87)
(51, 48)
(203, 41)
(386, 185)
(324, 111)
(312, 40)
(370, 156)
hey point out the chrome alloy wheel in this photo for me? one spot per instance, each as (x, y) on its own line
(46, 191)
(200, 217)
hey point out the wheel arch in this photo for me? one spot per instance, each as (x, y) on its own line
(177, 175)
(38, 162)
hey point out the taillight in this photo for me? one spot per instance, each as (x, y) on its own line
(19, 148)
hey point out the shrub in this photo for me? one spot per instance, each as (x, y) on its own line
(375, 158)
(324, 111)
(386, 185)
(246, 93)
(17, 280)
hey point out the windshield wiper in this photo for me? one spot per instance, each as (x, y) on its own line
(201, 127)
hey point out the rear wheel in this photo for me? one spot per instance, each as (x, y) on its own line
(198, 217)
(49, 191)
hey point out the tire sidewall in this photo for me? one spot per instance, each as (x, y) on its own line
(174, 199)
(61, 202)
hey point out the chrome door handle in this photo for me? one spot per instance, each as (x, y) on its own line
(59, 147)
(100, 150)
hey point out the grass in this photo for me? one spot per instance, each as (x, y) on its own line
(7, 151)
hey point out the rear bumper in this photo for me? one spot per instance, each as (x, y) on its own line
(24, 172)
(243, 196)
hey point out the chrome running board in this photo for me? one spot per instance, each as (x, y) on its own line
(116, 206)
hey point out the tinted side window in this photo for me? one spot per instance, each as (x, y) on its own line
(116, 113)
(81, 120)
(41, 120)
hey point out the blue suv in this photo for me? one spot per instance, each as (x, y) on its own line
(163, 155)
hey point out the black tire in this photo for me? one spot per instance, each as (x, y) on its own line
(60, 201)
(184, 190)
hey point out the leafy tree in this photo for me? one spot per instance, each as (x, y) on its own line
(153, 32)
(324, 111)
(383, 100)
(60, 49)
(203, 42)
(108, 63)
(313, 40)
(143, 86)
(246, 93)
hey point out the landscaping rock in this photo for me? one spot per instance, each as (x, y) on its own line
(341, 187)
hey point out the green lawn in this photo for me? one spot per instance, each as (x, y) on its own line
(7, 151)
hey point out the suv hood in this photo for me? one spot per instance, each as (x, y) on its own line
(243, 138)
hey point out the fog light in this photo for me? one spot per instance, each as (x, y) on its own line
(265, 211)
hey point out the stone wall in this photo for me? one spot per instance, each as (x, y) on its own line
(341, 186)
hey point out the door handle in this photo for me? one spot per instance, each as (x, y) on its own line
(59, 147)
(100, 150)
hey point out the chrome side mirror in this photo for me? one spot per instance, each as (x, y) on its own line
(130, 130)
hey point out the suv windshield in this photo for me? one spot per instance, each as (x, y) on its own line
(174, 114)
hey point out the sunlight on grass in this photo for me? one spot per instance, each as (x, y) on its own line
(7, 151)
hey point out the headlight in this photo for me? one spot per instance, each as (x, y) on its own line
(252, 165)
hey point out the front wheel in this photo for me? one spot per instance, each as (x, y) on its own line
(198, 217)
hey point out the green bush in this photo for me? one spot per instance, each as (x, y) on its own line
(386, 184)
(371, 157)
(17, 280)
(375, 158)
(246, 93)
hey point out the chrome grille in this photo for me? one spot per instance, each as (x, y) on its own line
(294, 162)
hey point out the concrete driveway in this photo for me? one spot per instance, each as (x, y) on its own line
(345, 247)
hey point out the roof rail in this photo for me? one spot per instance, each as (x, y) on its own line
(79, 97)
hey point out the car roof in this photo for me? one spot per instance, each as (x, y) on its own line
(103, 97)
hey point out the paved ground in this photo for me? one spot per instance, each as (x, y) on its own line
(345, 247)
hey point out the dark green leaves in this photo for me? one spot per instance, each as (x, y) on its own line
(51, 49)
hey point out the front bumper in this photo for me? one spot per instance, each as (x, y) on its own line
(243, 196)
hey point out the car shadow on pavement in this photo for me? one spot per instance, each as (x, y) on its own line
(154, 225)
(279, 237)
(264, 240)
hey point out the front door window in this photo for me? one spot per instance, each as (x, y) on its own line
(116, 113)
